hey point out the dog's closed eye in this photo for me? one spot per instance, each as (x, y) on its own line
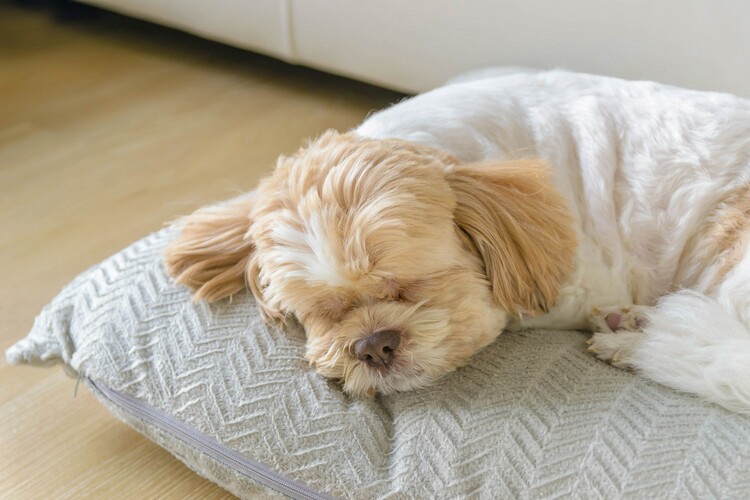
(334, 307)
(388, 288)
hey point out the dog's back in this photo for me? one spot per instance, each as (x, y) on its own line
(658, 179)
(642, 165)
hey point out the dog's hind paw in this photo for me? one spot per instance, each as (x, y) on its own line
(616, 348)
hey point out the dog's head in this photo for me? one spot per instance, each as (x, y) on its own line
(399, 261)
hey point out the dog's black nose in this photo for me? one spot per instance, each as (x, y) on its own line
(377, 348)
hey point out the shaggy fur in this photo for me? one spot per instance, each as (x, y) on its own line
(431, 220)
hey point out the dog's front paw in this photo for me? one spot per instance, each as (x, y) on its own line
(614, 318)
(616, 348)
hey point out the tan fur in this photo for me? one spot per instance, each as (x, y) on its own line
(357, 189)
(731, 233)
(720, 242)
(352, 236)
(521, 228)
(212, 251)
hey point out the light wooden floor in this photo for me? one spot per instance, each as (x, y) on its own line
(108, 128)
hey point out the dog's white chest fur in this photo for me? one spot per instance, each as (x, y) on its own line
(641, 165)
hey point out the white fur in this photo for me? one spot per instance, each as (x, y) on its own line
(312, 249)
(641, 165)
(694, 345)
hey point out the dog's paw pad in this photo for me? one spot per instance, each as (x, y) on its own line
(615, 348)
(614, 318)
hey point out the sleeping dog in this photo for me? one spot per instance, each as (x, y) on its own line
(527, 200)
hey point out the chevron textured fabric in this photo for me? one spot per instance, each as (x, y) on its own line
(532, 417)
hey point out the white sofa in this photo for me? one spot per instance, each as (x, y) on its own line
(413, 45)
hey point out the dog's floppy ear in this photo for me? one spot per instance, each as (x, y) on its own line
(520, 227)
(212, 253)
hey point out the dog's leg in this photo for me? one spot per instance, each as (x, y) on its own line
(691, 342)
